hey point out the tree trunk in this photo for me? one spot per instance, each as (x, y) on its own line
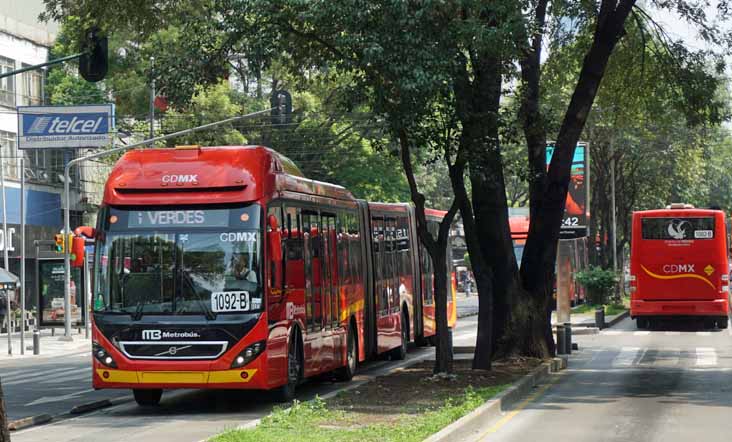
(437, 249)
(4, 434)
(443, 355)
(481, 270)
(548, 209)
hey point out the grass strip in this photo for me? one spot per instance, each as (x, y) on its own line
(314, 421)
(610, 309)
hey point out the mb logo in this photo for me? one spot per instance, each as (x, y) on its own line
(151, 335)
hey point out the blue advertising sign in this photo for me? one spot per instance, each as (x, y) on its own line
(46, 127)
(576, 211)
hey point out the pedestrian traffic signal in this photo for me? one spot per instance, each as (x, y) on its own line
(59, 246)
(93, 62)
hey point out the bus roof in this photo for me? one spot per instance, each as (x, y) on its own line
(221, 174)
(676, 212)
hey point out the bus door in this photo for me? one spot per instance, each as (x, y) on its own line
(313, 292)
(394, 283)
(327, 239)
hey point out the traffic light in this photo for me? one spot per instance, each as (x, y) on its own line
(281, 102)
(59, 246)
(93, 63)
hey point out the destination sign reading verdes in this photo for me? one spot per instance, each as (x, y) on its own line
(45, 127)
(177, 218)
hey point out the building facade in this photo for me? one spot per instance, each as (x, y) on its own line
(25, 41)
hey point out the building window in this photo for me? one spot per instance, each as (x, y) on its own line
(32, 92)
(7, 84)
(8, 153)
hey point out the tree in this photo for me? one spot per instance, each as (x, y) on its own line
(4, 434)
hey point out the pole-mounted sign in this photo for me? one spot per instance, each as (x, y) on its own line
(46, 127)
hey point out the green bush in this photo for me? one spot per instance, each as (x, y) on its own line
(599, 284)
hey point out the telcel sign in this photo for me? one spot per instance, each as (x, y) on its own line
(45, 127)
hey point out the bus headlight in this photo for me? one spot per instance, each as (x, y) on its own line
(248, 354)
(102, 356)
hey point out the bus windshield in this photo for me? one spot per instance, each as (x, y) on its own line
(179, 262)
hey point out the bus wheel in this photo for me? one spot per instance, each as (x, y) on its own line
(346, 372)
(709, 323)
(642, 323)
(400, 352)
(723, 322)
(147, 398)
(286, 393)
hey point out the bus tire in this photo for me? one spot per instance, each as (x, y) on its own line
(286, 393)
(346, 372)
(642, 322)
(399, 353)
(147, 397)
(723, 322)
(709, 323)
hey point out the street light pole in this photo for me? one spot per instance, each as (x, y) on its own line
(5, 248)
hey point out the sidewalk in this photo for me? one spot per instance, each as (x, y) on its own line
(49, 345)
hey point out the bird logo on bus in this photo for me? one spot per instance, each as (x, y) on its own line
(676, 229)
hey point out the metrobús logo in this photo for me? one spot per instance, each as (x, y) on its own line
(678, 268)
(676, 228)
(156, 335)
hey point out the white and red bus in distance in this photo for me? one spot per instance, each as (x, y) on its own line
(224, 267)
(679, 266)
(519, 225)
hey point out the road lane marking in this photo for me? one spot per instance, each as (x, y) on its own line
(672, 333)
(510, 415)
(703, 333)
(626, 357)
(83, 374)
(706, 356)
(48, 399)
(39, 376)
(641, 333)
(614, 332)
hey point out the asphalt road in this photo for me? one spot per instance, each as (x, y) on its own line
(49, 385)
(183, 416)
(674, 384)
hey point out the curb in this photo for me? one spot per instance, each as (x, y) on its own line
(470, 425)
(29, 422)
(91, 406)
(617, 319)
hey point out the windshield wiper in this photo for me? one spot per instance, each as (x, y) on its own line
(138, 311)
(210, 315)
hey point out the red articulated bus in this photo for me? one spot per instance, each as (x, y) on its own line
(679, 266)
(224, 267)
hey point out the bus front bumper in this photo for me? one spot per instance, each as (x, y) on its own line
(716, 307)
(105, 377)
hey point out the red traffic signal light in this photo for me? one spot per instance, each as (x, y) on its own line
(93, 63)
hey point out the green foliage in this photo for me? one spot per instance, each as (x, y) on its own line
(466, 259)
(313, 421)
(599, 284)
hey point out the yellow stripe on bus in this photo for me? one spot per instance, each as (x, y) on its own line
(175, 377)
(680, 276)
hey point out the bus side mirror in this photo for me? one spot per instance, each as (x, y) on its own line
(86, 231)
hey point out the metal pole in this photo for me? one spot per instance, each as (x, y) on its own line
(39, 305)
(22, 255)
(152, 98)
(67, 257)
(87, 297)
(67, 199)
(612, 207)
(5, 247)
